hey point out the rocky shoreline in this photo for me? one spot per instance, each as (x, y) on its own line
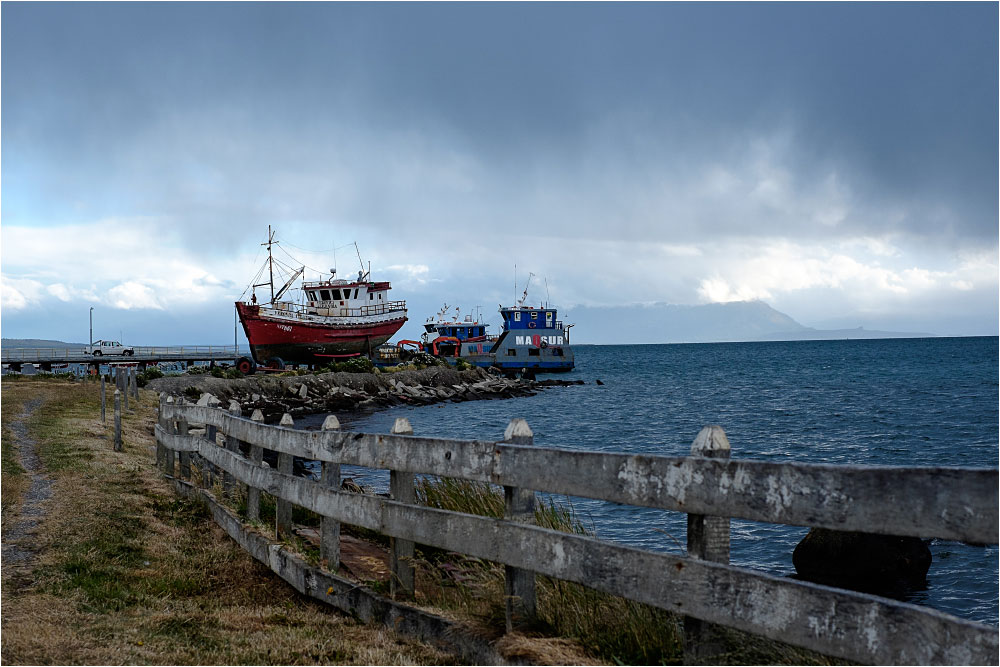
(275, 395)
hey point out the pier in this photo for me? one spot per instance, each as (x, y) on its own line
(16, 358)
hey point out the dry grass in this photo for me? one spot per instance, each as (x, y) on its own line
(127, 573)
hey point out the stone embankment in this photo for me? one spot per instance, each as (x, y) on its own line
(348, 392)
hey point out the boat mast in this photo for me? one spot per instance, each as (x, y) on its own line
(270, 260)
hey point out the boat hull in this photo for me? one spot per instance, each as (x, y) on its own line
(311, 342)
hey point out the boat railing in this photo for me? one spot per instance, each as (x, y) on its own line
(339, 311)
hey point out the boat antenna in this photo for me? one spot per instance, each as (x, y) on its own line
(525, 295)
(546, 292)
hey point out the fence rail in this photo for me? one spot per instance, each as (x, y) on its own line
(953, 503)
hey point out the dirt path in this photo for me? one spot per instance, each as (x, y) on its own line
(19, 548)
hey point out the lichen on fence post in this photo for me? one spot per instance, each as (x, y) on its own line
(707, 539)
(283, 508)
(401, 490)
(519, 505)
(329, 542)
(256, 457)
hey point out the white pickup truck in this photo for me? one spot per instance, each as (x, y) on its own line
(104, 347)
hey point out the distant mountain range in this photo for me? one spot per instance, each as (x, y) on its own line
(709, 323)
(39, 343)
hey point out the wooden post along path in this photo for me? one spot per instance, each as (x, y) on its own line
(329, 543)
(401, 551)
(283, 510)
(519, 505)
(169, 454)
(232, 445)
(256, 458)
(118, 421)
(707, 539)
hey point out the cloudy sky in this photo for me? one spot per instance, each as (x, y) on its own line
(838, 161)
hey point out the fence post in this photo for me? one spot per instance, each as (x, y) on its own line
(401, 551)
(203, 465)
(185, 457)
(163, 424)
(124, 385)
(135, 384)
(104, 419)
(519, 505)
(256, 457)
(329, 542)
(118, 421)
(707, 539)
(169, 454)
(232, 445)
(283, 508)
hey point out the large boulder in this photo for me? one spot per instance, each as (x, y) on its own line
(865, 562)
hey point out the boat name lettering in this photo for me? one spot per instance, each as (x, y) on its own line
(537, 340)
(285, 327)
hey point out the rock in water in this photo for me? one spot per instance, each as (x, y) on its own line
(862, 561)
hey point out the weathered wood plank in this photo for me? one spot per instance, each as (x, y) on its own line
(850, 625)
(949, 503)
(347, 595)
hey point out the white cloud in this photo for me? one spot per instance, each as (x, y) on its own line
(133, 295)
(18, 294)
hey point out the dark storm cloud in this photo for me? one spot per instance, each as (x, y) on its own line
(187, 108)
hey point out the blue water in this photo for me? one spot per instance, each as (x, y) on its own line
(913, 402)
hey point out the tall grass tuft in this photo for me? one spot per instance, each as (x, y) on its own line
(607, 626)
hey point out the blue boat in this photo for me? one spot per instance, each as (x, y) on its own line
(533, 340)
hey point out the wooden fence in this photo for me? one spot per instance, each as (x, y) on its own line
(950, 503)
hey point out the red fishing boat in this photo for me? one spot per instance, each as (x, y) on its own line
(333, 319)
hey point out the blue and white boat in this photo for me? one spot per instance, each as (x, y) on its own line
(533, 340)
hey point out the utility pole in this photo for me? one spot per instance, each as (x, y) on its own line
(91, 325)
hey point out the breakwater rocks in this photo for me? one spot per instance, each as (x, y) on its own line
(275, 395)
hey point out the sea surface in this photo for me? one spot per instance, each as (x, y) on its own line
(906, 402)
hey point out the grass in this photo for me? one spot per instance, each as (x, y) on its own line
(127, 573)
(608, 627)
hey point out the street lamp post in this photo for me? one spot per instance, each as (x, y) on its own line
(91, 326)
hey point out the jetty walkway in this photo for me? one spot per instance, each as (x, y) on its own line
(16, 358)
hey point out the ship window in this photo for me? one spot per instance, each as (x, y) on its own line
(517, 316)
(312, 295)
(534, 315)
(548, 316)
(336, 294)
(533, 352)
(370, 296)
(324, 295)
(557, 352)
(355, 292)
(380, 296)
(511, 351)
